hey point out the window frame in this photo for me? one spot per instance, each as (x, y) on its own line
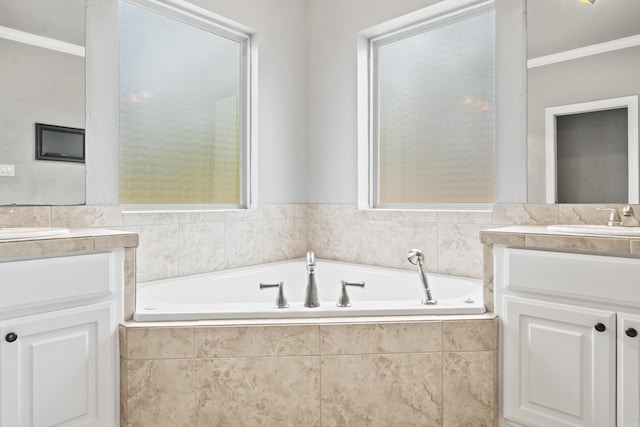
(223, 27)
(420, 21)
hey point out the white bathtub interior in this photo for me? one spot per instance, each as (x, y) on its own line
(235, 293)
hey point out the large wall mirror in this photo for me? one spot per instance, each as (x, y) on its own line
(42, 58)
(583, 81)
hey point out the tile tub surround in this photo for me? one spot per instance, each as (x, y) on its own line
(423, 373)
(181, 243)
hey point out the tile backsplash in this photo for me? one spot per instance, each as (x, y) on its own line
(182, 243)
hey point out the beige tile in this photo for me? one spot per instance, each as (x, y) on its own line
(525, 214)
(149, 218)
(586, 214)
(122, 341)
(382, 390)
(125, 240)
(123, 391)
(10, 249)
(417, 216)
(470, 335)
(200, 217)
(459, 250)
(400, 239)
(86, 216)
(200, 247)
(292, 211)
(489, 278)
(271, 391)
(394, 239)
(25, 216)
(470, 389)
(129, 293)
(244, 243)
(381, 338)
(465, 217)
(252, 341)
(396, 215)
(160, 393)
(491, 237)
(242, 215)
(598, 244)
(157, 254)
(284, 239)
(325, 212)
(160, 343)
(635, 247)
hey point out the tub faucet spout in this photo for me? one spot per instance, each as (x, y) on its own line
(311, 294)
(416, 257)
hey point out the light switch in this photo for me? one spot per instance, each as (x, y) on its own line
(7, 170)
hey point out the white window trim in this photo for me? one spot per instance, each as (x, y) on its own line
(550, 114)
(187, 13)
(430, 16)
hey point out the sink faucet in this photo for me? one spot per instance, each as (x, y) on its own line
(627, 220)
(416, 257)
(614, 217)
(311, 294)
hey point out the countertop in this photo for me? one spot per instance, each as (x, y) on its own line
(541, 237)
(77, 240)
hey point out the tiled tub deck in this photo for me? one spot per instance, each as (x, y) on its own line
(428, 371)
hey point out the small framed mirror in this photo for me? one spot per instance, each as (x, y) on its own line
(59, 143)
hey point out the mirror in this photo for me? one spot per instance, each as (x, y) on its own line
(581, 53)
(42, 45)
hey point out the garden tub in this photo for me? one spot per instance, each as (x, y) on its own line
(236, 293)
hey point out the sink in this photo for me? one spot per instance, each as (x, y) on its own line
(31, 232)
(603, 230)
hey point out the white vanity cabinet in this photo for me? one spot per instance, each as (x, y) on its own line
(628, 370)
(570, 345)
(58, 339)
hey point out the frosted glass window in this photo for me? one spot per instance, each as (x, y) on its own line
(433, 98)
(181, 113)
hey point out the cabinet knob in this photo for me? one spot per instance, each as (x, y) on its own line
(11, 337)
(631, 333)
(600, 327)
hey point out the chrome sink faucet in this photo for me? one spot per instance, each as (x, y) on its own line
(627, 220)
(311, 294)
(416, 257)
(614, 217)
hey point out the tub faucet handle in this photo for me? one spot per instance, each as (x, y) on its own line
(281, 301)
(343, 298)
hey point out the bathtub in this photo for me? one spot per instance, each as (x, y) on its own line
(236, 294)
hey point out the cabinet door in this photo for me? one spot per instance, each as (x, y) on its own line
(559, 364)
(58, 368)
(628, 370)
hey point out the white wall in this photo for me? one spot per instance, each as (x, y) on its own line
(280, 39)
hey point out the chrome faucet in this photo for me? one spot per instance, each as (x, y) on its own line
(614, 217)
(628, 219)
(311, 294)
(416, 257)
